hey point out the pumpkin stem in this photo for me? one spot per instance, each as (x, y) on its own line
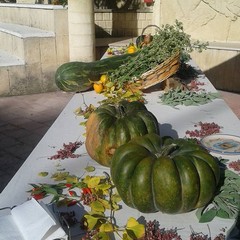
(167, 150)
(121, 110)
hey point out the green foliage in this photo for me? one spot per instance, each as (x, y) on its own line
(169, 40)
(177, 96)
(226, 203)
(98, 193)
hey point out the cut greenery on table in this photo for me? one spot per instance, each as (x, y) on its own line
(123, 72)
(178, 96)
(167, 41)
(99, 195)
(226, 203)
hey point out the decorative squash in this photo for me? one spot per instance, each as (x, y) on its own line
(112, 125)
(78, 76)
(161, 174)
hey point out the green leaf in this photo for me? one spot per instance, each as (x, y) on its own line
(97, 206)
(90, 169)
(71, 179)
(60, 176)
(43, 174)
(199, 212)
(102, 236)
(106, 227)
(91, 221)
(105, 203)
(223, 205)
(134, 229)
(51, 190)
(93, 182)
(208, 215)
(55, 199)
(222, 214)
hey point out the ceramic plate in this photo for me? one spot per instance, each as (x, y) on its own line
(222, 143)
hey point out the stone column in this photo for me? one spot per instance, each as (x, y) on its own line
(157, 13)
(81, 30)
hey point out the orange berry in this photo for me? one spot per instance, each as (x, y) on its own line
(98, 87)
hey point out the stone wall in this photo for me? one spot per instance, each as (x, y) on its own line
(121, 24)
(215, 21)
(211, 20)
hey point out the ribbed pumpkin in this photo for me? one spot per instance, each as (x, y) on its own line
(112, 125)
(161, 174)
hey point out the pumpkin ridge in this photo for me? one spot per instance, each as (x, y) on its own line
(166, 185)
(91, 142)
(110, 110)
(151, 125)
(211, 162)
(134, 131)
(187, 183)
(206, 178)
(122, 169)
(136, 195)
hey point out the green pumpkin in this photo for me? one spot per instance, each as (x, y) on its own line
(161, 174)
(112, 125)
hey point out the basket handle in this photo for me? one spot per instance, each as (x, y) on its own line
(151, 25)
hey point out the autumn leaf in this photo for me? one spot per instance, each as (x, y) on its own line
(106, 227)
(90, 169)
(134, 229)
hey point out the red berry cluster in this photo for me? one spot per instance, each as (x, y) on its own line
(199, 236)
(235, 165)
(91, 235)
(206, 129)
(87, 197)
(67, 151)
(194, 85)
(37, 193)
(154, 232)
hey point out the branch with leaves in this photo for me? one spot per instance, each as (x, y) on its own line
(226, 203)
(96, 192)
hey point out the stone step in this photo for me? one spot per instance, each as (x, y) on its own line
(24, 31)
(7, 59)
(25, 42)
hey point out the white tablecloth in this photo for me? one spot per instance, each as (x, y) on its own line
(67, 128)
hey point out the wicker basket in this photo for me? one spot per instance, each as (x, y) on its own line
(140, 39)
(161, 72)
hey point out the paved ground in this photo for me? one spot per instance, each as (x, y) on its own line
(25, 119)
(23, 122)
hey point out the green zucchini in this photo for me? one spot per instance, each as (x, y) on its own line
(78, 76)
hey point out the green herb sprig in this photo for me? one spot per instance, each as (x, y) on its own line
(226, 203)
(178, 96)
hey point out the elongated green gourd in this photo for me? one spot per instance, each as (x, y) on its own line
(78, 76)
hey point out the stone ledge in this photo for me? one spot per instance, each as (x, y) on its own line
(24, 31)
(36, 6)
(228, 46)
(9, 60)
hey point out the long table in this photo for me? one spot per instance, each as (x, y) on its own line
(172, 121)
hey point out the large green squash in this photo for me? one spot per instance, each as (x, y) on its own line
(112, 125)
(78, 76)
(161, 174)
